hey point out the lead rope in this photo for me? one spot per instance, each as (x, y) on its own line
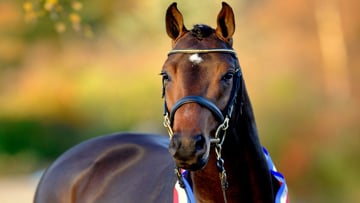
(179, 176)
(218, 141)
(220, 161)
(218, 148)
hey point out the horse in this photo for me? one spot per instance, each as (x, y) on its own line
(213, 154)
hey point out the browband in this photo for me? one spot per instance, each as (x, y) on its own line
(199, 51)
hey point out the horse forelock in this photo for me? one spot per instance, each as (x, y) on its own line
(201, 36)
(201, 31)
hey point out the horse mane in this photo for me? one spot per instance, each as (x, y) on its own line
(201, 31)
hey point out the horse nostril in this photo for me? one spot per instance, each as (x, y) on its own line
(175, 144)
(200, 142)
(187, 147)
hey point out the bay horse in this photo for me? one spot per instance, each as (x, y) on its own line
(214, 147)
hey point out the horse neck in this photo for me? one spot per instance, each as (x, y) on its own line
(247, 171)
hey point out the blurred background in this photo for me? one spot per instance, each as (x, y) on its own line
(71, 70)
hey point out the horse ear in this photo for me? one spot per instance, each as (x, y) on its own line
(174, 22)
(225, 23)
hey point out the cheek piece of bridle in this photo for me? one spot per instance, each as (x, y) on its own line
(223, 116)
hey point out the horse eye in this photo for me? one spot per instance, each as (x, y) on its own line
(228, 76)
(165, 77)
(165, 80)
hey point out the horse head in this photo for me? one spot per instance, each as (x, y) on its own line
(201, 79)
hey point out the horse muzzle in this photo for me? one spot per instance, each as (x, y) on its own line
(190, 148)
(189, 152)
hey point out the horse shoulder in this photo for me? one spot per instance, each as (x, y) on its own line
(109, 169)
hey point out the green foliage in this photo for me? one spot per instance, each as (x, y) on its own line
(45, 139)
(63, 14)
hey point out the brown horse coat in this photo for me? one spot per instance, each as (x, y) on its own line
(115, 168)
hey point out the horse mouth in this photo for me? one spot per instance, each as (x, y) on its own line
(199, 164)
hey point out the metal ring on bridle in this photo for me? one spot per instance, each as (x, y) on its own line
(222, 127)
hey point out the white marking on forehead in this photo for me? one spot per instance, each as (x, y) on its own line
(195, 58)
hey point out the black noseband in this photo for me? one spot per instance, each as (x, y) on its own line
(199, 100)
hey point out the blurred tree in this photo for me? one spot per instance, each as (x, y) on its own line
(63, 14)
(57, 88)
(334, 50)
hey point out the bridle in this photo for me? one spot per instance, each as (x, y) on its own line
(223, 116)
